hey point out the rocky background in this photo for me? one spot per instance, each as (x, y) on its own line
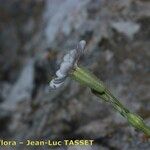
(35, 34)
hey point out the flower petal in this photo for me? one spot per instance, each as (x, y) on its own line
(81, 47)
(65, 67)
(54, 86)
(69, 62)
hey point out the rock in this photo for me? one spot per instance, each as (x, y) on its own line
(128, 65)
(108, 55)
(22, 89)
(128, 28)
(62, 17)
(5, 118)
(4, 90)
(96, 128)
(93, 147)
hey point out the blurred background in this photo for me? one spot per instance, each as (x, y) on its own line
(34, 36)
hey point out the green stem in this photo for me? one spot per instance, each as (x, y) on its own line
(99, 89)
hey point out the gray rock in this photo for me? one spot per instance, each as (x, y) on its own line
(62, 17)
(93, 147)
(22, 89)
(128, 28)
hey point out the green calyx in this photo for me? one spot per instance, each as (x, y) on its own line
(97, 87)
(86, 78)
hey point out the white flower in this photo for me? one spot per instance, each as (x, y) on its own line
(69, 62)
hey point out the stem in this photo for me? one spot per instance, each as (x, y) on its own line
(99, 89)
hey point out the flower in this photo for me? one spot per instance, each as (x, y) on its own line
(69, 62)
